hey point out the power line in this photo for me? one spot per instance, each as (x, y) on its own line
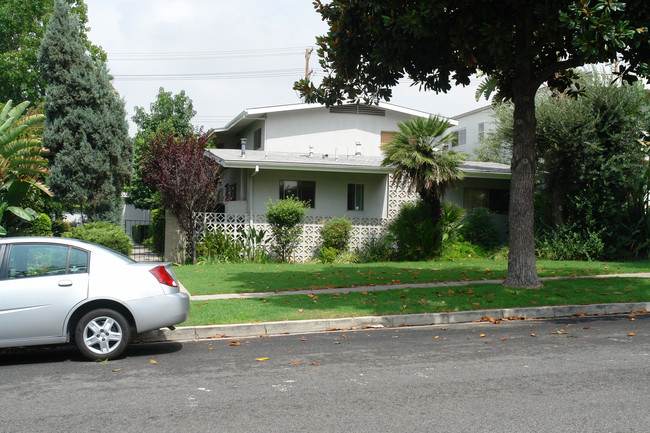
(207, 55)
(270, 73)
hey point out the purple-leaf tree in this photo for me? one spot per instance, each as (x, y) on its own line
(187, 180)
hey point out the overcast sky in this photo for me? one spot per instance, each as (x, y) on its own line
(227, 55)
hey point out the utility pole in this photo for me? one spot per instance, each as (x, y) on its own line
(308, 72)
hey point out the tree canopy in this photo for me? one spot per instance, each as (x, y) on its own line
(372, 44)
(85, 128)
(187, 180)
(23, 166)
(169, 113)
(419, 158)
(22, 27)
(590, 158)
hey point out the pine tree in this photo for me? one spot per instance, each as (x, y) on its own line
(85, 127)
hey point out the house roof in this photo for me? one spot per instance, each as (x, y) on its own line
(477, 110)
(250, 115)
(259, 159)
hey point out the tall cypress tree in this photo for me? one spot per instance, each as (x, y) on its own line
(85, 127)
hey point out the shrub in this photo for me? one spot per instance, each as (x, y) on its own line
(376, 250)
(416, 234)
(328, 254)
(254, 249)
(336, 233)
(217, 246)
(285, 218)
(462, 250)
(347, 257)
(479, 229)
(156, 235)
(103, 233)
(500, 254)
(41, 226)
(563, 243)
(59, 227)
(139, 232)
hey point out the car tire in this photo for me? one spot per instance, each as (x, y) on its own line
(102, 334)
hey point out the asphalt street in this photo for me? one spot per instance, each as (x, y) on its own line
(587, 374)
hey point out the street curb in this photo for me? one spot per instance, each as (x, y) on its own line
(188, 333)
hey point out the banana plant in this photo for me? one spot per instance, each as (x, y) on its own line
(23, 165)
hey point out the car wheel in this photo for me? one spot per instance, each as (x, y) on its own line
(102, 334)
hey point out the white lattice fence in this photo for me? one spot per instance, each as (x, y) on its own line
(363, 231)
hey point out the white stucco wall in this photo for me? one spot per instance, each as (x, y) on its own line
(295, 131)
(331, 192)
(470, 122)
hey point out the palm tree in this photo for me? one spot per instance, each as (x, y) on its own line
(22, 162)
(417, 153)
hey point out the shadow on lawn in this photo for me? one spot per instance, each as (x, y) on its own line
(244, 278)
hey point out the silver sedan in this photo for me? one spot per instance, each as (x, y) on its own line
(55, 290)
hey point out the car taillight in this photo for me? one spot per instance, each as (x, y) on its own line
(163, 276)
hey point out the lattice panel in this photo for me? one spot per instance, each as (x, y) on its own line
(363, 230)
(398, 195)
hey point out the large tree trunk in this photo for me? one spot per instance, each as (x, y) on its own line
(522, 271)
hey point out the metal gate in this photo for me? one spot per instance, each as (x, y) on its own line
(138, 252)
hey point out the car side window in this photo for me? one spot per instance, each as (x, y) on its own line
(78, 263)
(33, 260)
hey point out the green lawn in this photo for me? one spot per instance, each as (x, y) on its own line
(410, 301)
(244, 278)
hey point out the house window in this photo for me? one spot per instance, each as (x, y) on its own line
(481, 131)
(494, 199)
(230, 191)
(386, 137)
(257, 139)
(300, 189)
(460, 137)
(355, 196)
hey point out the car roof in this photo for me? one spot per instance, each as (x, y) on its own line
(64, 241)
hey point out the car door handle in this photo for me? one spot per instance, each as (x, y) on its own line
(65, 283)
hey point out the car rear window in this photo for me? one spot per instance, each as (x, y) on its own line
(33, 260)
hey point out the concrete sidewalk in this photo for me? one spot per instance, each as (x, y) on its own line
(396, 286)
(242, 330)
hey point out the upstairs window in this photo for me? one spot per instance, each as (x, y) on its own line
(257, 139)
(460, 137)
(300, 189)
(355, 196)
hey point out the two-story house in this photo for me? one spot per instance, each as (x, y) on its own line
(331, 158)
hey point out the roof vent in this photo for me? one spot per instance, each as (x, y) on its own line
(369, 110)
